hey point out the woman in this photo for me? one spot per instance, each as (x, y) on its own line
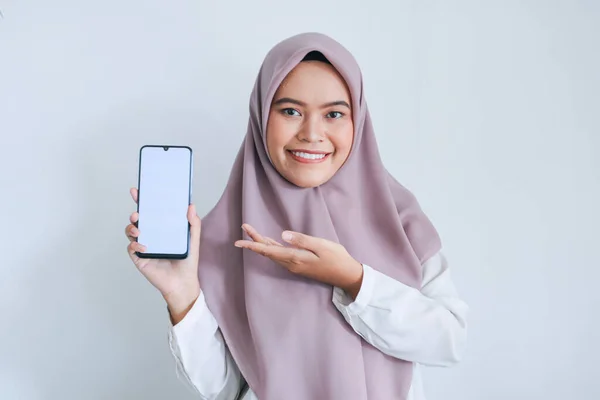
(357, 294)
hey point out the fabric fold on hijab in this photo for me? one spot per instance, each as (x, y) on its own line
(283, 331)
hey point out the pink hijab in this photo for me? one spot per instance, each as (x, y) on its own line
(283, 331)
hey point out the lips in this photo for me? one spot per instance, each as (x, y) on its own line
(309, 156)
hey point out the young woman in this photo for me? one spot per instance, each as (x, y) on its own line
(316, 276)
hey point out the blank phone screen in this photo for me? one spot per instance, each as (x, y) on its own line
(164, 195)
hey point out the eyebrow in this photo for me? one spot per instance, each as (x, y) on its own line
(303, 104)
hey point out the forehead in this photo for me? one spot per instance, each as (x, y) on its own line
(314, 80)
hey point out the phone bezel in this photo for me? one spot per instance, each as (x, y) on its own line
(158, 255)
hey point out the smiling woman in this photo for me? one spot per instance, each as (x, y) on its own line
(310, 129)
(354, 295)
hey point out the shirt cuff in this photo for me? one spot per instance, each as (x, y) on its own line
(344, 303)
(198, 316)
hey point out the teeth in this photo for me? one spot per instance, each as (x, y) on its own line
(308, 156)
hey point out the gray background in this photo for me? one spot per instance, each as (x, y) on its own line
(487, 110)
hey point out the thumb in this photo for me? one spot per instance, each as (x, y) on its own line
(302, 241)
(195, 228)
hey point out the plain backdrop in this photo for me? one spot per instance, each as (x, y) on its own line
(487, 110)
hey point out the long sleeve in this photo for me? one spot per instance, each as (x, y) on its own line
(201, 356)
(426, 326)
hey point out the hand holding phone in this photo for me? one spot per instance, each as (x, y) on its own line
(175, 276)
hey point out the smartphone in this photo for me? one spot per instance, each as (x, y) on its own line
(164, 195)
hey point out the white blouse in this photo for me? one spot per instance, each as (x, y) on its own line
(426, 327)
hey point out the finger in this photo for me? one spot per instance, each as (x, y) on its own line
(302, 241)
(195, 229)
(257, 237)
(134, 218)
(272, 242)
(131, 250)
(276, 253)
(134, 194)
(253, 233)
(132, 232)
(257, 247)
(133, 247)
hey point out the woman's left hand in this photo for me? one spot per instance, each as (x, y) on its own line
(312, 257)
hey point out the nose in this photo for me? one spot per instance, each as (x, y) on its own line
(312, 131)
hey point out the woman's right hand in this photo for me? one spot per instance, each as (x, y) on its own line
(177, 280)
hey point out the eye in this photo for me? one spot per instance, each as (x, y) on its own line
(335, 115)
(290, 112)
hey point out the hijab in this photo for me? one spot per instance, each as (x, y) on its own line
(283, 330)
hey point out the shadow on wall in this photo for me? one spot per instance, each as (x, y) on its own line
(94, 327)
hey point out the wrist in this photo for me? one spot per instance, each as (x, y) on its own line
(353, 281)
(180, 302)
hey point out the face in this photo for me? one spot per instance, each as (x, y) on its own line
(310, 129)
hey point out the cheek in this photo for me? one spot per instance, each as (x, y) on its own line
(343, 141)
(273, 139)
(278, 135)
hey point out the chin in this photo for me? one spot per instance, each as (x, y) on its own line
(308, 183)
(305, 176)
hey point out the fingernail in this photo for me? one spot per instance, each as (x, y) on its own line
(236, 244)
(244, 228)
(287, 236)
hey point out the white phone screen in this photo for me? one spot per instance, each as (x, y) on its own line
(165, 186)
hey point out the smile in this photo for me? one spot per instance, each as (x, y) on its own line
(309, 158)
